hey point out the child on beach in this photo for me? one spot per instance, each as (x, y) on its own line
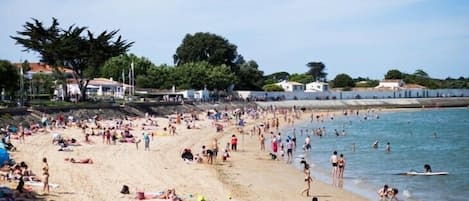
(226, 155)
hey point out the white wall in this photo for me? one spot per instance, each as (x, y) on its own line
(411, 93)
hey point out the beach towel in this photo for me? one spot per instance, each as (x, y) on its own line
(38, 183)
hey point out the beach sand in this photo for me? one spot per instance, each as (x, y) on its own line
(249, 174)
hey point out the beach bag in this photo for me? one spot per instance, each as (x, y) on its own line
(125, 189)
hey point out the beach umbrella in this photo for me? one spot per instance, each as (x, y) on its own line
(4, 156)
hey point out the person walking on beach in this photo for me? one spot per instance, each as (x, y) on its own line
(45, 174)
(308, 181)
(146, 139)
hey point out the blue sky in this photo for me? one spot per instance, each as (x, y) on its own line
(359, 37)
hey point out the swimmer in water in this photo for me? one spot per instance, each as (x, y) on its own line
(375, 144)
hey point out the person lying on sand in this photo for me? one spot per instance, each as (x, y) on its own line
(170, 194)
(82, 161)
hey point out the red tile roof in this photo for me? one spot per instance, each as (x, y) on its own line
(42, 68)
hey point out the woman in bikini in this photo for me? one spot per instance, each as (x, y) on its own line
(45, 173)
(341, 165)
(83, 161)
(308, 181)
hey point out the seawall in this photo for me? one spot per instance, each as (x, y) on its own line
(370, 103)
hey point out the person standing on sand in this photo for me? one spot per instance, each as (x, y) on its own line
(45, 173)
(215, 148)
(275, 146)
(146, 139)
(234, 143)
(289, 151)
(341, 166)
(262, 141)
(333, 161)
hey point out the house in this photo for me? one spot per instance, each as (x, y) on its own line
(96, 87)
(393, 84)
(43, 68)
(317, 86)
(291, 86)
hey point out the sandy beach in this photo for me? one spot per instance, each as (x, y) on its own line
(249, 174)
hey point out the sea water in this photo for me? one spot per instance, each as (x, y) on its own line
(439, 137)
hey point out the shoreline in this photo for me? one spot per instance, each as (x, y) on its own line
(248, 175)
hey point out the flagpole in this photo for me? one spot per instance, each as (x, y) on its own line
(123, 83)
(133, 78)
(22, 85)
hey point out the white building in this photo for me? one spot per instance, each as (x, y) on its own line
(317, 86)
(391, 84)
(291, 86)
(101, 87)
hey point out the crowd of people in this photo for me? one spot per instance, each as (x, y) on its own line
(267, 125)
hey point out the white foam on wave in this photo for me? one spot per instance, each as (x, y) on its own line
(300, 156)
(406, 193)
(357, 181)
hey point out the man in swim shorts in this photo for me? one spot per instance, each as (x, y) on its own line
(333, 161)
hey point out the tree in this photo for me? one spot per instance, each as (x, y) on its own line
(421, 73)
(208, 47)
(76, 48)
(316, 69)
(201, 74)
(116, 66)
(301, 78)
(393, 74)
(25, 66)
(343, 80)
(249, 77)
(276, 77)
(42, 83)
(9, 77)
(272, 87)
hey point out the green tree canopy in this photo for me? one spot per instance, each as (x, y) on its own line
(276, 77)
(421, 73)
(208, 47)
(160, 77)
(9, 76)
(317, 70)
(116, 66)
(75, 47)
(301, 78)
(202, 74)
(393, 74)
(343, 80)
(272, 87)
(249, 77)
